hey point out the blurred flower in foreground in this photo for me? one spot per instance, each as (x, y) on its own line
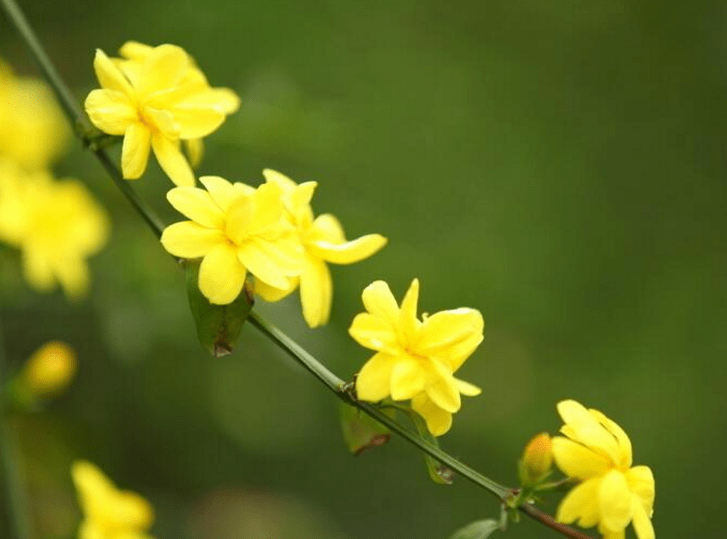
(323, 242)
(537, 460)
(109, 513)
(33, 130)
(415, 359)
(49, 370)
(55, 224)
(237, 229)
(157, 97)
(612, 494)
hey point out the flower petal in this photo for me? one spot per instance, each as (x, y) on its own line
(449, 335)
(268, 209)
(190, 240)
(622, 439)
(438, 421)
(72, 273)
(349, 252)
(133, 50)
(109, 76)
(272, 294)
(195, 150)
(441, 387)
(374, 333)
(220, 190)
(111, 111)
(584, 427)
(37, 269)
(163, 68)
(197, 205)
(271, 262)
(407, 378)
(328, 229)
(135, 151)
(172, 160)
(316, 291)
(467, 389)
(641, 521)
(409, 324)
(221, 276)
(379, 301)
(614, 500)
(196, 121)
(581, 504)
(281, 180)
(578, 461)
(641, 483)
(373, 382)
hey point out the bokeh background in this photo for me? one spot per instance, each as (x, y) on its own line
(559, 165)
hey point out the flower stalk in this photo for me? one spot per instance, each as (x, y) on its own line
(336, 385)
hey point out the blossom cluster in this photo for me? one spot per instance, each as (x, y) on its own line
(56, 225)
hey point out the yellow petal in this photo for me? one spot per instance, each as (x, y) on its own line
(190, 240)
(268, 209)
(379, 301)
(162, 122)
(373, 333)
(133, 50)
(576, 460)
(614, 499)
(407, 378)
(135, 151)
(641, 483)
(220, 190)
(449, 334)
(92, 486)
(267, 261)
(608, 534)
(438, 421)
(195, 150)
(221, 276)
(197, 205)
(272, 294)
(583, 427)
(624, 443)
(196, 121)
(281, 180)
(172, 160)
(327, 228)
(373, 382)
(163, 68)
(441, 387)
(111, 111)
(73, 276)
(408, 322)
(641, 521)
(226, 100)
(581, 504)
(349, 252)
(316, 291)
(467, 389)
(37, 269)
(109, 76)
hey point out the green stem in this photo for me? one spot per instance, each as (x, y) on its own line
(17, 504)
(331, 381)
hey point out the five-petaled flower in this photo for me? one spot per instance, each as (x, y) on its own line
(612, 493)
(235, 229)
(156, 97)
(109, 513)
(55, 224)
(323, 242)
(415, 359)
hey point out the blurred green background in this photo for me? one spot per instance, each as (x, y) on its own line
(559, 165)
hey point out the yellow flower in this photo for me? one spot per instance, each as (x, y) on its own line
(323, 242)
(55, 224)
(415, 359)
(156, 97)
(49, 370)
(537, 460)
(33, 130)
(109, 513)
(612, 494)
(236, 229)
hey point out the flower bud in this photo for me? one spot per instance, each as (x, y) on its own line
(537, 460)
(49, 370)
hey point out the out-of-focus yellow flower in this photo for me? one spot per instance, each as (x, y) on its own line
(33, 130)
(49, 370)
(235, 229)
(323, 242)
(612, 493)
(55, 224)
(156, 97)
(109, 513)
(415, 359)
(537, 460)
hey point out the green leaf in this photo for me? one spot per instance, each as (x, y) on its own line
(218, 326)
(438, 473)
(480, 529)
(360, 431)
